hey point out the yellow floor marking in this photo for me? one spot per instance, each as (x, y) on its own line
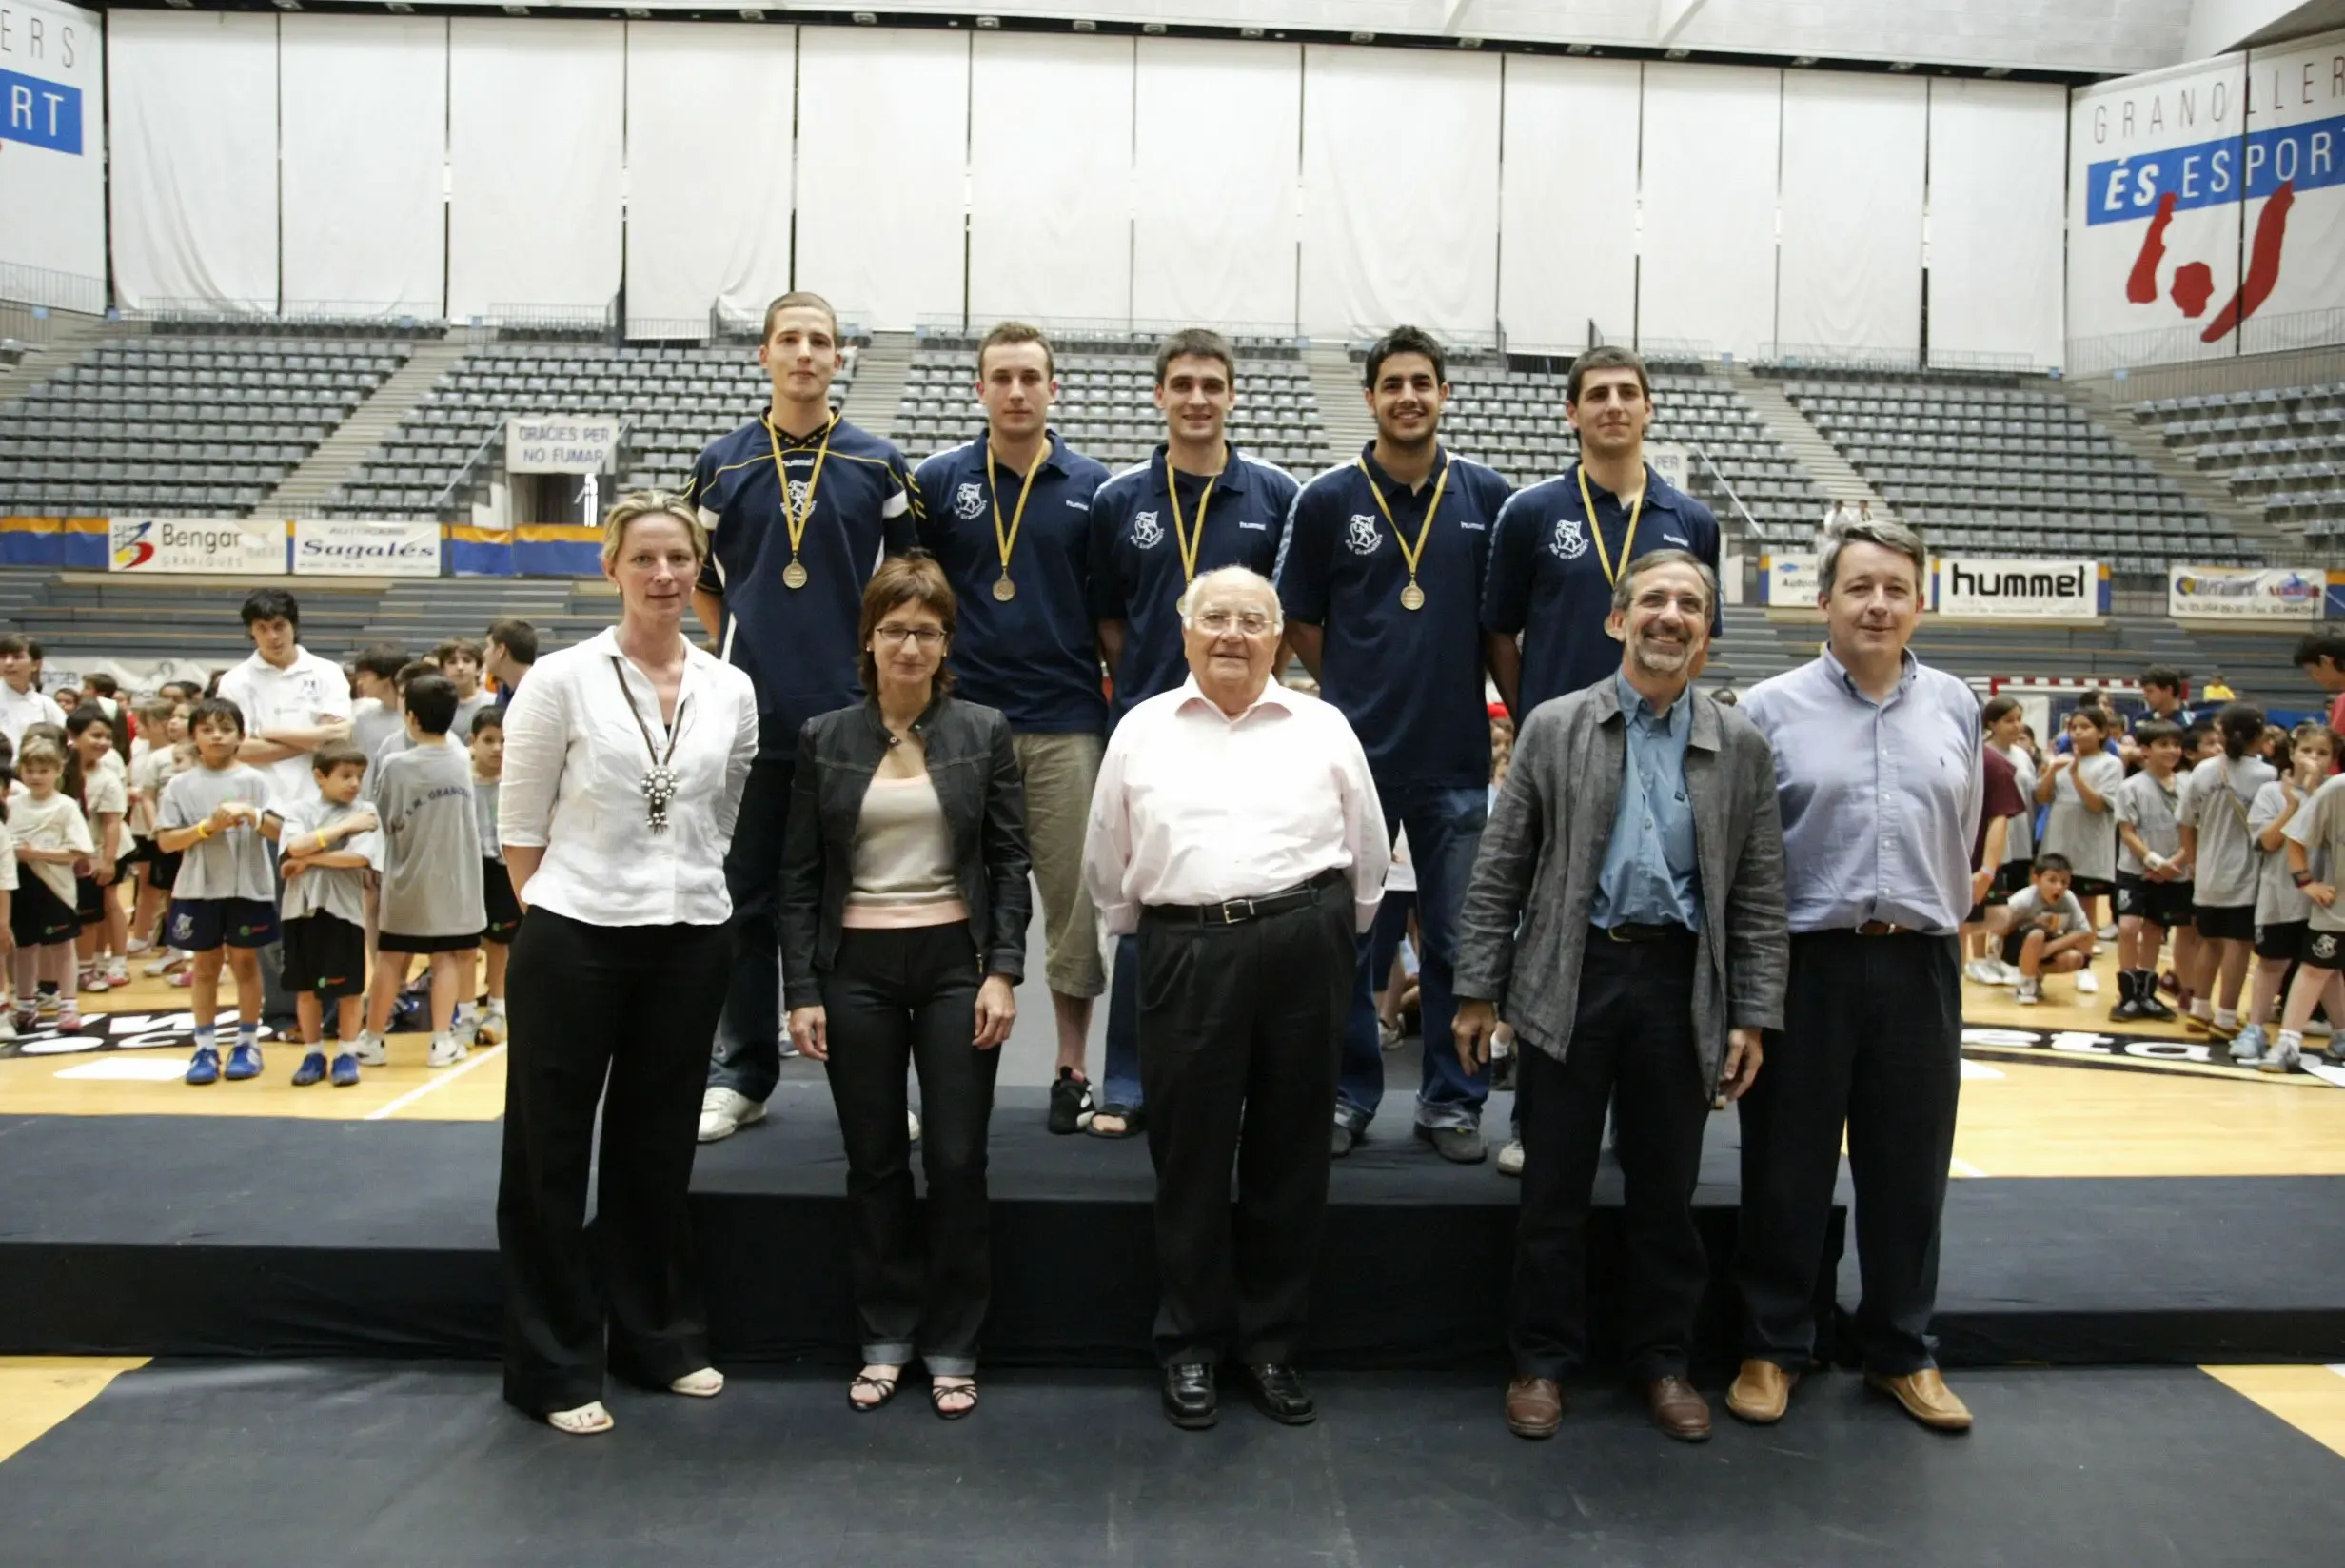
(2311, 1399)
(37, 1392)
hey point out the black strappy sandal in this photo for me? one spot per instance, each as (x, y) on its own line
(887, 1387)
(938, 1393)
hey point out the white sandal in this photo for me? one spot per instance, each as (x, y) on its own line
(704, 1385)
(584, 1421)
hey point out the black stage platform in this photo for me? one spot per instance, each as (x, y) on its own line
(288, 1238)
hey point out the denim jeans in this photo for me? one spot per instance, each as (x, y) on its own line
(1444, 832)
(1121, 1075)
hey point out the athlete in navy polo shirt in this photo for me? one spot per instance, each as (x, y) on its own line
(1008, 517)
(1550, 575)
(1147, 544)
(782, 596)
(1381, 578)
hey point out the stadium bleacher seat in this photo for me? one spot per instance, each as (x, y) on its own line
(2280, 449)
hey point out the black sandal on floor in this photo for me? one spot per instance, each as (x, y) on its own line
(1129, 1115)
(886, 1385)
(938, 1393)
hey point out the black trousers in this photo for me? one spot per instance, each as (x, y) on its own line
(1633, 1046)
(1241, 1030)
(746, 1056)
(893, 999)
(632, 1006)
(1872, 1041)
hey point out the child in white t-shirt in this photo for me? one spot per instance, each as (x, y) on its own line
(53, 844)
(2044, 928)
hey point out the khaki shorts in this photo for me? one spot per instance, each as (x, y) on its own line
(1061, 771)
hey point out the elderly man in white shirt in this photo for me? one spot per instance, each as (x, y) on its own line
(1235, 827)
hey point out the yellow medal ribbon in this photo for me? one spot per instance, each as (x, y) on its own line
(1005, 590)
(1628, 540)
(1412, 596)
(794, 574)
(1189, 543)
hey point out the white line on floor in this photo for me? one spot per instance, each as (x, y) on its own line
(1963, 1168)
(436, 1084)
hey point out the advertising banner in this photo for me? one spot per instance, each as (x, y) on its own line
(356, 547)
(225, 546)
(560, 444)
(53, 155)
(2245, 593)
(2294, 225)
(2021, 589)
(1787, 580)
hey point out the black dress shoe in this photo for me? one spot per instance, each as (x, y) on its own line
(1188, 1399)
(1278, 1393)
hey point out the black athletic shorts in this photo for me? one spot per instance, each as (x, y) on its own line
(2092, 887)
(88, 901)
(2323, 950)
(198, 924)
(2013, 875)
(37, 918)
(324, 956)
(505, 911)
(2283, 939)
(2016, 938)
(2164, 904)
(2225, 923)
(393, 942)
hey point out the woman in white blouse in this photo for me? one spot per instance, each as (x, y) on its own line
(624, 759)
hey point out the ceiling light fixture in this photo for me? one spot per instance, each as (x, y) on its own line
(1999, 70)
(989, 22)
(864, 18)
(1363, 37)
(1803, 60)
(1578, 48)
(1676, 54)
(1154, 29)
(1900, 65)
(1084, 24)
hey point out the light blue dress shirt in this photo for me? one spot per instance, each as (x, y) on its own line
(1651, 874)
(1880, 800)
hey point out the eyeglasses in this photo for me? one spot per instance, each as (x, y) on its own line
(1252, 623)
(927, 637)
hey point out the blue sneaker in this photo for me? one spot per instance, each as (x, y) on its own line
(346, 1071)
(312, 1069)
(243, 1062)
(2247, 1048)
(204, 1068)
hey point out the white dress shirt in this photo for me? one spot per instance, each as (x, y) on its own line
(1194, 807)
(574, 768)
(20, 711)
(300, 697)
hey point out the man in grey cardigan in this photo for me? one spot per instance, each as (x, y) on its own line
(1627, 916)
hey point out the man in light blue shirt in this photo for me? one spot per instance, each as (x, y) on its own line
(1650, 877)
(1881, 782)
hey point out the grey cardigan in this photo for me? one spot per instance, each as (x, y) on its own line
(1525, 928)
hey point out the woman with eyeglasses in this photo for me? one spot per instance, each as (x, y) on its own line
(903, 929)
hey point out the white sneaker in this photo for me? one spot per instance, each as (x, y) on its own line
(369, 1048)
(118, 973)
(1510, 1158)
(171, 960)
(447, 1049)
(911, 1120)
(2284, 1056)
(725, 1112)
(1983, 972)
(2087, 982)
(7, 1025)
(2107, 933)
(2030, 993)
(2010, 973)
(2319, 1027)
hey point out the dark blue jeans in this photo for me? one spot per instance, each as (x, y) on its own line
(1444, 832)
(1121, 1077)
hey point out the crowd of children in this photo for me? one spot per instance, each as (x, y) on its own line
(175, 834)
(2226, 834)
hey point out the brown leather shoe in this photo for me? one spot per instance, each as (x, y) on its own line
(1535, 1407)
(1761, 1392)
(1678, 1409)
(1926, 1399)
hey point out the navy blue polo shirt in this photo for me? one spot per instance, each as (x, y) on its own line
(798, 644)
(1137, 574)
(1409, 680)
(1548, 582)
(1035, 657)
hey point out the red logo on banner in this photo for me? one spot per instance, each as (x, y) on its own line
(2194, 282)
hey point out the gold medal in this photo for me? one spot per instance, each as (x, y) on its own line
(1628, 540)
(1005, 590)
(794, 574)
(1412, 598)
(1006, 539)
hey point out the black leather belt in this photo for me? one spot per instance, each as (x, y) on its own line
(1631, 932)
(1236, 912)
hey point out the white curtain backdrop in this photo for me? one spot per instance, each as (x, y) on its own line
(1050, 194)
(1400, 189)
(1215, 158)
(534, 150)
(1712, 135)
(709, 108)
(1567, 229)
(1854, 149)
(883, 149)
(365, 164)
(195, 157)
(1998, 177)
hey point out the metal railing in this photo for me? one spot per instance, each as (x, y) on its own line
(2181, 343)
(458, 492)
(1789, 355)
(46, 286)
(1750, 525)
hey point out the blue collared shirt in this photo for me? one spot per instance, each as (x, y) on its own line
(798, 644)
(1034, 656)
(1409, 680)
(1136, 576)
(1548, 582)
(1652, 874)
(1880, 800)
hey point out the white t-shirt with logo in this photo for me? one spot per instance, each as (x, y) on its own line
(303, 695)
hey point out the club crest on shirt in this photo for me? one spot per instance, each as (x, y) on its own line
(2324, 946)
(1146, 531)
(1362, 537)
(1570, 540)
(969, 501)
